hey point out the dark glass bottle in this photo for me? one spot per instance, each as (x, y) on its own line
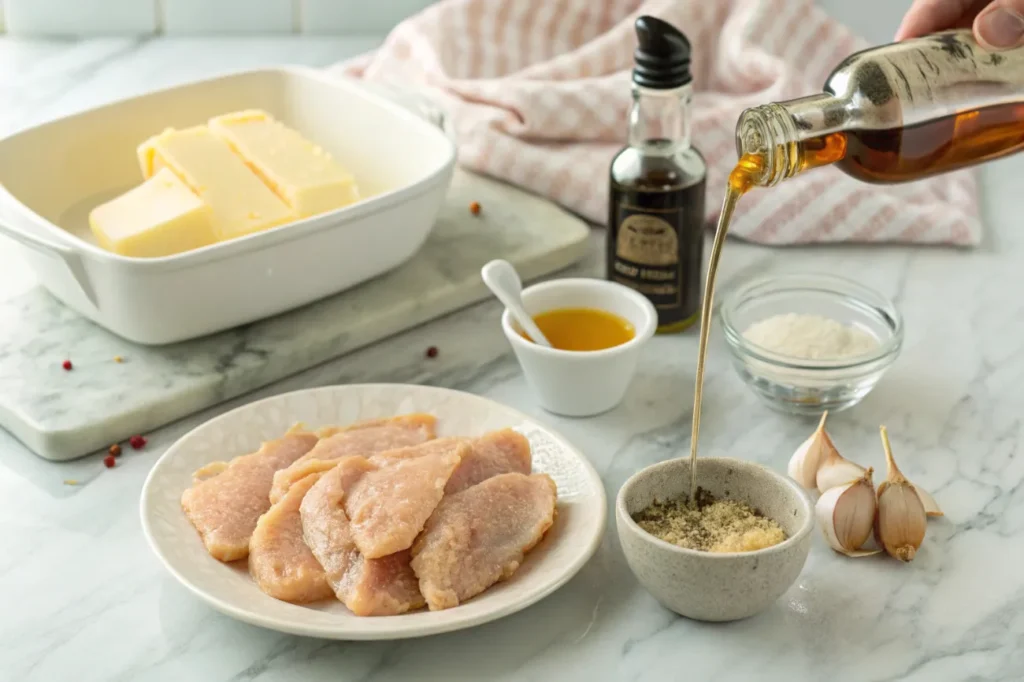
(657, 183)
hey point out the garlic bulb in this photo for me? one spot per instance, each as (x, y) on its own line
(931, 507)
(846, 514)
(902, 521)
(808, 458)
(837, 470)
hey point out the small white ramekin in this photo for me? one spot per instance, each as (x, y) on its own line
(581, 383)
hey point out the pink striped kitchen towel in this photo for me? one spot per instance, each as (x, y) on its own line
(538, 93)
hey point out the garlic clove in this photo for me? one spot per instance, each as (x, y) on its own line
(846, 514)
(931, 507)
(837, 470)
(808, 458)
(858, 553)
(901, 521)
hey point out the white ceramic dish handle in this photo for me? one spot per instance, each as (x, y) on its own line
(71, 259)
(414, 101)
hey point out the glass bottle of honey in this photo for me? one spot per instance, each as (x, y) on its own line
(657, 183)
(890, 114)
(895, 113)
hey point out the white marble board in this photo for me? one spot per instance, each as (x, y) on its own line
(62, 415)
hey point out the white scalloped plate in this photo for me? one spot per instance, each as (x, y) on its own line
(572, 540)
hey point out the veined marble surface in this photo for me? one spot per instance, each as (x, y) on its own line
(63, 415)
(82, 598)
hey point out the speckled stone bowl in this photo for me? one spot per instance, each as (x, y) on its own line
(716, 587)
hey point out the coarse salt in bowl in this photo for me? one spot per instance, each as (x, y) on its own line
(808, 343)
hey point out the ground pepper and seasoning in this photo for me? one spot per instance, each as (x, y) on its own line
(710, 525)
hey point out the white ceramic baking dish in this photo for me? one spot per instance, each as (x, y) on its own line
(53, 174)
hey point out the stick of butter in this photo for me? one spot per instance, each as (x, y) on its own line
(302, 174)
(160, 217)
(241, 203)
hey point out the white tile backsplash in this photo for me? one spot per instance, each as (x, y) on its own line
(356, 16)
(210, 17)
(191, 17)
(80, 17)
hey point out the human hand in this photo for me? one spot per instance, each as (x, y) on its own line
(997, 24)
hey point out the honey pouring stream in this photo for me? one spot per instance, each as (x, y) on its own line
(740, 180)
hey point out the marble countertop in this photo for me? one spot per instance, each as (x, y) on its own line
(82, 597)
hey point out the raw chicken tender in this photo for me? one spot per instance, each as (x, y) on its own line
(499, 452)
(387, 507)
(226, 500)
(380, 434)
(431, 447)
(279, 559)
(368, 587)
(362, 438)
(479, 536)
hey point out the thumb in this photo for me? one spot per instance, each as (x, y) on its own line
(1000, 26)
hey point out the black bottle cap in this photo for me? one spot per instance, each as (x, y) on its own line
(662, 55)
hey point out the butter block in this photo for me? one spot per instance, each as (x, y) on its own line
(241, 203)
(299, 172)
(160, 217)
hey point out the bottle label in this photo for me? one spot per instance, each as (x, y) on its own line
(647, 255)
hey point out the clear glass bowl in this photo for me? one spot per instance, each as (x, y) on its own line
(801, 386)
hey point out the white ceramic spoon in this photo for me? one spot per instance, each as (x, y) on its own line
(503, 280)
